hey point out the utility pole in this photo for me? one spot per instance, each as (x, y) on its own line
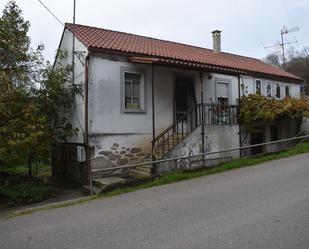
(73, 44)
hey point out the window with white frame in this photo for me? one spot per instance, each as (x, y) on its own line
(268, 89)
(287, 90)
(278, 91)
(133, 91)
(258, 86)
(222, 93)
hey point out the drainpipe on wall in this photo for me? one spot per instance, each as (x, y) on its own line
(202, 116)
(86, 135)
(239, 124)
(153, 118)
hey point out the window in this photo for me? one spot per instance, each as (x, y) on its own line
(278, 91)
(287, 91)
(223, 101)
(258, 86)
(222, 93)
(268, 89)
(132, 90)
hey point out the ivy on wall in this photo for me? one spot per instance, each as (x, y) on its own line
(255, 108)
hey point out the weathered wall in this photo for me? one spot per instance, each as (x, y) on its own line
(217, 137)
(77, 113)
(305, 125)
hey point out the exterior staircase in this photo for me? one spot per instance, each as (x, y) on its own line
(207, 114)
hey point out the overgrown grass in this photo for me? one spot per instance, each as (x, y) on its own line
(16, 188)
(238, 163)
(26, 192)
(23, 169)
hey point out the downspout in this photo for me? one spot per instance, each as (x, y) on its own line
(153, 119)
(202, 115)
(73, 44)
(239, 124)
(86, 136)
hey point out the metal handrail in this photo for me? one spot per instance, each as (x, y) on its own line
(188, 122)
(183, 117)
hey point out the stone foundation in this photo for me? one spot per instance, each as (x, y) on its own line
(118, 155)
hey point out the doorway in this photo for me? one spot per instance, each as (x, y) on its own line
(257, 138)
(184, 96)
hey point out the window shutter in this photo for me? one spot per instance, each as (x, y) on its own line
(222, 90)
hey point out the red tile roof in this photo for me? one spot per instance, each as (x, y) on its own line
(172, 52)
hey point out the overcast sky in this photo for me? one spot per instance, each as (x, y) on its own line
(245, 23)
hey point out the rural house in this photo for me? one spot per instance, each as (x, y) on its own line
(144, 98)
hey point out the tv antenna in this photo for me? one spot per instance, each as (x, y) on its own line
(285, 31)
(281, 44)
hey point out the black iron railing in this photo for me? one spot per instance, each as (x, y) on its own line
(209, 114)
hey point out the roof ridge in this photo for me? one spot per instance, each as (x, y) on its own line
(142, 36)
(165, 40)
(191, 53)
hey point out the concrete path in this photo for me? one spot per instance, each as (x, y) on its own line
(261, 207)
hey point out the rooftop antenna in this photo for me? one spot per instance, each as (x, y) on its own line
(285, 31)
(281, 44)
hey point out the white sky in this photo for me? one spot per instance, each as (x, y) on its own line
(245, 23)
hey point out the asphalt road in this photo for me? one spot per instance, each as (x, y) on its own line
(264, 207)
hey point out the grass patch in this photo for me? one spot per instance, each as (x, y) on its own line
(33, 190)
(235, 164)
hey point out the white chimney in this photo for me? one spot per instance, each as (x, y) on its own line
(216, 36)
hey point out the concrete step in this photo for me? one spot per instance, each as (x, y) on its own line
(140, 172)
(102, 184)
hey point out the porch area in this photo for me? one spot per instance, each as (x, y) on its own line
(201, 115)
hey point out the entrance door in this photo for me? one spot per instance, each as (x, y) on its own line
(257, 138)
(184, 96)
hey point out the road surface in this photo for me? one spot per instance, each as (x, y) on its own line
(262, 207)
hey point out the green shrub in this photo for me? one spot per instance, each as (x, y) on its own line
(26, 192)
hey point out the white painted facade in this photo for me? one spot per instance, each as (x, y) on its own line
(109, 124)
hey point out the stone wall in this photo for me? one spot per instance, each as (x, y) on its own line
(117, 155)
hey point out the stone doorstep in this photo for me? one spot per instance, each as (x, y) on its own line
(136, 174)
(102, 184)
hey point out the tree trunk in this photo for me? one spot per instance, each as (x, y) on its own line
(36, 166)
(29, 166)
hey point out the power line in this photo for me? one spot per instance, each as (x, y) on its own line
(51, 12)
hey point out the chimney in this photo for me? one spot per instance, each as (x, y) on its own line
(216, 36)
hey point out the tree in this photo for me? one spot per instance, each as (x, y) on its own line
(272, 59)
(34, 96)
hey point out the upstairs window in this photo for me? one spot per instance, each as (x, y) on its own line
(287, 91)
(278, 91)
(258, 86)
(222, 93)
(133, 91)
(268, 90)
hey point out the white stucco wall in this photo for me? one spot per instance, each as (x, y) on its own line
(249, 86)
(77, 114)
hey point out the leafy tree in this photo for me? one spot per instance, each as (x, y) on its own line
(273, 59)
(34, 96)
